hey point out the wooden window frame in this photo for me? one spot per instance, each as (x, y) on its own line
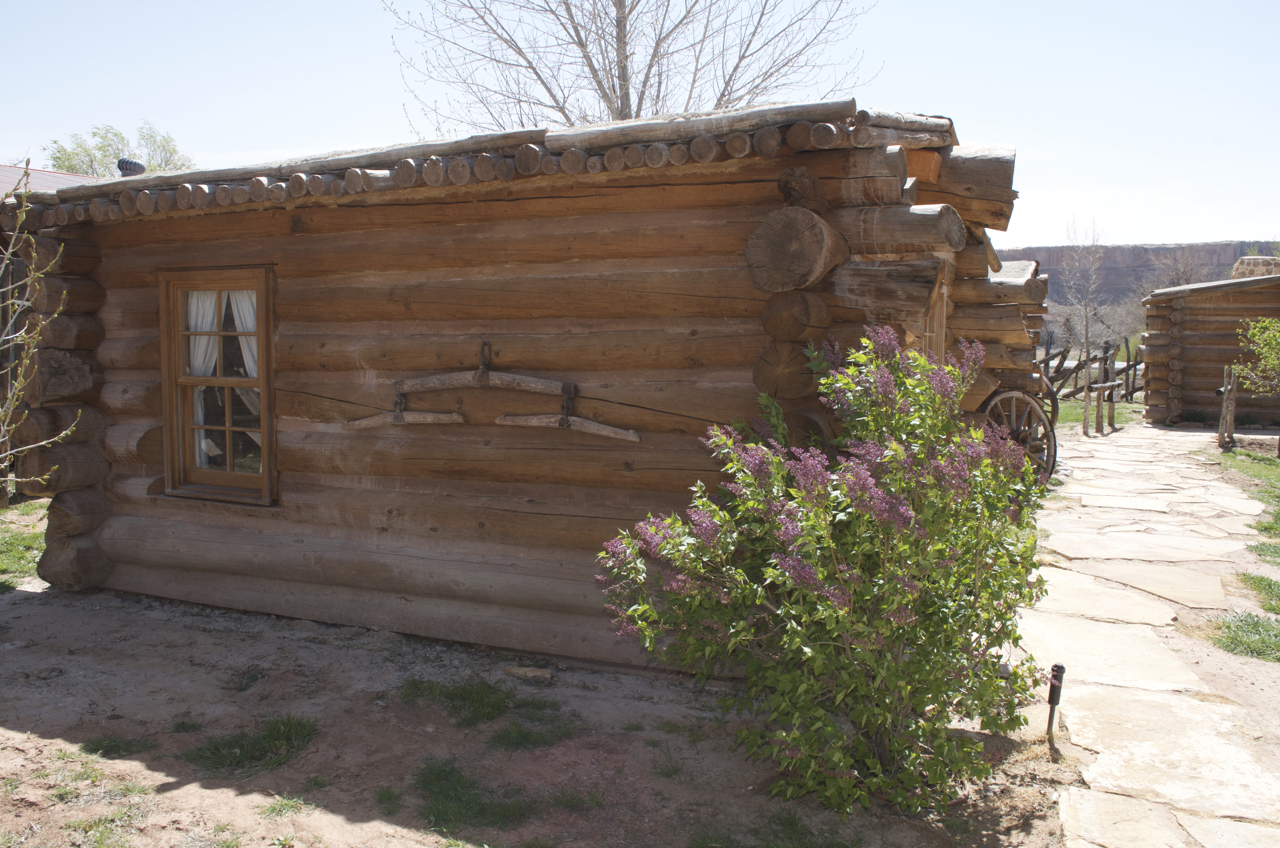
(182, 477)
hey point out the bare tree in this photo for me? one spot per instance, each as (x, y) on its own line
(1181, 267)
(524, 63)
(20, 329)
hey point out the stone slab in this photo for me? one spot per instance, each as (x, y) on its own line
(1072, 593)
(1170, 748)
(1238, 505)
(1180, 585)
(1104, 653)
(1115, 821)
(1236, 525)
(1149, 547)
(1147, 504)
(1225, 833)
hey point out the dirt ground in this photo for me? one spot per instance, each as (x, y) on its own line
(650, 762)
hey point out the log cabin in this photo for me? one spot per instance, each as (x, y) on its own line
(416, 388)
(1193, 332)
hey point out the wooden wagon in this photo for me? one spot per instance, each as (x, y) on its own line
(417, 388)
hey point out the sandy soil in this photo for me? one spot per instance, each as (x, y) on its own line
(653, 751)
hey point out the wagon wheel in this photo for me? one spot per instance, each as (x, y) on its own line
(1027, 423)
(1052, 394)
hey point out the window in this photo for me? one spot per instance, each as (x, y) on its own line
(216, 366)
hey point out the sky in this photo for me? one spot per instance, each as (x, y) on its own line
(1149, 120)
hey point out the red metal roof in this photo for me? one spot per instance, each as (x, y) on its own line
(40, 180)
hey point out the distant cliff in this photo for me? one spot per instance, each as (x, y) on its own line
(1130, 267)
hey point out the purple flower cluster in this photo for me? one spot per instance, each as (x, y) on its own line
(809, 470)
(901, 616)
(704, 526)
(884, 341)
(798, 569)
(861, 487)
(651, 533)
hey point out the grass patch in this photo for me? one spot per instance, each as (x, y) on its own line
(451, 799)
(272, 745)
(388, 800)
(478, 700)
(1266, 470)
(517, 735)
(576, 802)
(1268, 590)
(283, 805)
(115, 747)
(19, 553)
(1249, 635)
(1071, 413)
(633, 726)
(242, 679)
(665, 763)
(314, 782)
(184, 723)
(104, 831)
(782, 830)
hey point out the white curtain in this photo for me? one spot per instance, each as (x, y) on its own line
(244, 306)
(203, 311)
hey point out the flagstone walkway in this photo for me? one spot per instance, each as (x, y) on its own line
(1140, 537)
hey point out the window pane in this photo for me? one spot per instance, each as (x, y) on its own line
(233, 364)
(246, 452)
(211, 448)
(243, 306)
(228, 322)
(202, 356)
(245, 409)
(208, 406)
(200, 311)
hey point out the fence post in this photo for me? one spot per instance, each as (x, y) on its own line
(1224, 417)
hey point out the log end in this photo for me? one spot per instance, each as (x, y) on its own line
(793, 249)
(74, 564)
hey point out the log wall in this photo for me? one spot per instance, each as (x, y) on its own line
(1189, 339)
(631, 283)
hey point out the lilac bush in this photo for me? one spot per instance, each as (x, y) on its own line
(866, 591)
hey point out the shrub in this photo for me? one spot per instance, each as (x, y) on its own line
(866, 592)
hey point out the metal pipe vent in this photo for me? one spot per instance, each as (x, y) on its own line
(130, 167)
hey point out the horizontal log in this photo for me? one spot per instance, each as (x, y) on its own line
(720, 124)
(864, 191)
(131, 399)
(1022, 381)
(142, 444)
(994, 317)
(707, 286)
(139, 352)
(1155, 414)
(35, 426)
(501, 454)
(69, 332)
(868, 136)
(76, 512)
(561, 634)
(73, 564)
(599, 345)
(984, 386)
(130, 309)
(452, 510)
(793, 249)
(899, 229)
(60, 468)
(994, 214)
(1156, 339)
(63, 376)
(849, 287)
(1001, 357)
(616, 236)
(68, 295)
(969, 291)
(977, 166)
(1160, 354)
(61, 257)
(513, 576)
(902, 121)
(684, 401)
